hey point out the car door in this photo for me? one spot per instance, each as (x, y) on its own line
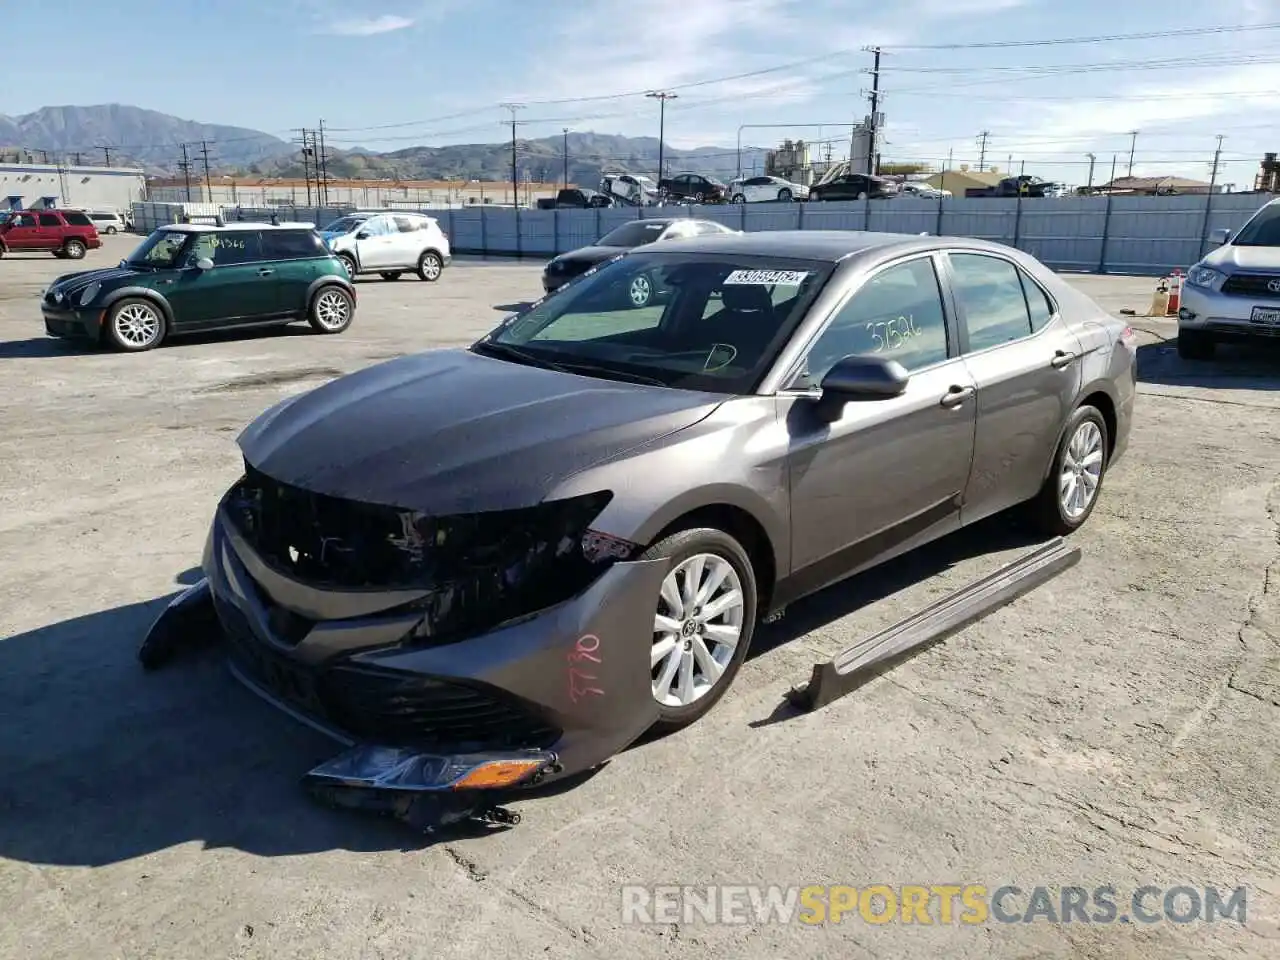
(23, 232)
(406, 241)
(376, 243)
(887, 474)
(238, 288)
(751, 190)
(293, 258)
(1024, 361)
(50, 234)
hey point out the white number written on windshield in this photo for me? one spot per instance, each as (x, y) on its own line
(891, 334)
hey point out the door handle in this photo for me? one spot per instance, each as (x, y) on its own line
(264, 272)
(1062, 358)
(956, 396)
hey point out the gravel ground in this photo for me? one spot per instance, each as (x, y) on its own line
(1116, 726)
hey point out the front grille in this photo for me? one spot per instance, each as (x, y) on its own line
(290, 682)
(402, 710)
(1252, 285)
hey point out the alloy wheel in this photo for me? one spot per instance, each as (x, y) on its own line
(137, 325)
(431, 266)
(332, 309)
(696, 629)
(1081, 470)
(640, 291)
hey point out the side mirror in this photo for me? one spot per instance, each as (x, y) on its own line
(1221, 235)
(204, 263)
(863, 378)
(362, 235)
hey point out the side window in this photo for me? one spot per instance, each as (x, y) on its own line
(24, 220)
(289, 245)
(50, 220)
(405, 225)
(78, 219)
(896, 314)
(377, 227)
(991, 299)
(1039, 305)
(226, 249)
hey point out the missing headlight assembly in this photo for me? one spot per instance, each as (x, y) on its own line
(478, 570)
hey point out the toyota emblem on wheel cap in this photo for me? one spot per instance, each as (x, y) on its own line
(1274, 285)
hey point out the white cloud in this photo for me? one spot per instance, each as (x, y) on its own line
(368, 26)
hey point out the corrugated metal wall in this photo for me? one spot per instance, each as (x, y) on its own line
(1142, 235)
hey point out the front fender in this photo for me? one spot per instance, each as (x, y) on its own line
(144, 292)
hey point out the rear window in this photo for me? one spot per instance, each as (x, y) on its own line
(78, 219)
(50, 220)
(291, 245)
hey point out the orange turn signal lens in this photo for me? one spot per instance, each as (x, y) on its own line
(498, 773)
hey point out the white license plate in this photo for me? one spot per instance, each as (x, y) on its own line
(1265, 315)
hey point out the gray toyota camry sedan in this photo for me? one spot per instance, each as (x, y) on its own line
(528, 552)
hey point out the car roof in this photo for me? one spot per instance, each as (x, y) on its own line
(829, 246)
(232, 227)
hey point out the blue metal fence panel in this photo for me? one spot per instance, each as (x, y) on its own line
(1143, 235)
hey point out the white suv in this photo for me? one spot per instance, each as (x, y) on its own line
(389, 244)
(1233, 293)
(107, 221)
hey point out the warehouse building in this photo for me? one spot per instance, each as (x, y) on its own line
(36, 185)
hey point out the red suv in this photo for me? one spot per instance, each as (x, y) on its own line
(67, 234)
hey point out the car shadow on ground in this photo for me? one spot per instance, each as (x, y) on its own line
(104, 762)
(1253, 366)
(40, 347)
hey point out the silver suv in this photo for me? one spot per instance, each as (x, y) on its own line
(1234, 292)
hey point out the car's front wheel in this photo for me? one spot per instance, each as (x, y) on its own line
(331, 311)
(739, 198)
(704, 618)
(111, 231)
(1071, 491)
(349, 263)
(640, 291)
(1195, 345)
(135, 324)
(784, 195)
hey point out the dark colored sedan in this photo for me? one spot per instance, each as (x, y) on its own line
(494, 566)
(629, 236)
(854, 186)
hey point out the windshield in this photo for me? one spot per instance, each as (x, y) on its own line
(708, 321)
(344, 224)
(1261, 231)
(635, 234)
(161, 249)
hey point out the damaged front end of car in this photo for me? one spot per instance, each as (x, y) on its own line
(461, 659)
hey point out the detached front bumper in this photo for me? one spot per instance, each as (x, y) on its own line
(75, 324)
(1228, 316)
(563, 690)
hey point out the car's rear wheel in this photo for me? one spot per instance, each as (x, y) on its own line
(640, 291)
(332, 310)
(349, 262)
(703, 622)
(135, 324)
(391, 274)
(1071, 491)
(111, 231)
(430, 266)
(1195, 345)
(73, 249)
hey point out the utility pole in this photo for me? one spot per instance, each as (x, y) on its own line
(1133, 145)
(1112, 184)
(515, 170)
(873, 161)
(106, 153)
(323, 191)
(204, 155)
(1208, 200)
(76, 156)
(566, 158)
(306, 163)
(662, 96)
(185, 166)
(1217, 157)
(983, 137)
(1092, 159)
(44, 156)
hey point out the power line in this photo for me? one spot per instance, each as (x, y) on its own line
(1101, 38)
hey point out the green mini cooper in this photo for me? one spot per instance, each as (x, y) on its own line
(186, 278)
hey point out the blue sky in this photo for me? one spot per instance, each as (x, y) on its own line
(387, 74)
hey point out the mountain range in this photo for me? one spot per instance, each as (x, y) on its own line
(154, 141)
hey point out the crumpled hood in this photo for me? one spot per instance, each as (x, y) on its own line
(70, 284)
(1244, 258)
(450, 431)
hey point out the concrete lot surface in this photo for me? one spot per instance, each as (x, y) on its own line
(1118, 726)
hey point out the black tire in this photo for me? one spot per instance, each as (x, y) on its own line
(126, 323)
(1195, 345)
(862, 195)
(675, 549)
(74, 249)
(784, 195)
(349, 262)
(430, 266)
(739, 198)
(332, 309)
(111, 231)
(390, 275)
(1047, 511)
